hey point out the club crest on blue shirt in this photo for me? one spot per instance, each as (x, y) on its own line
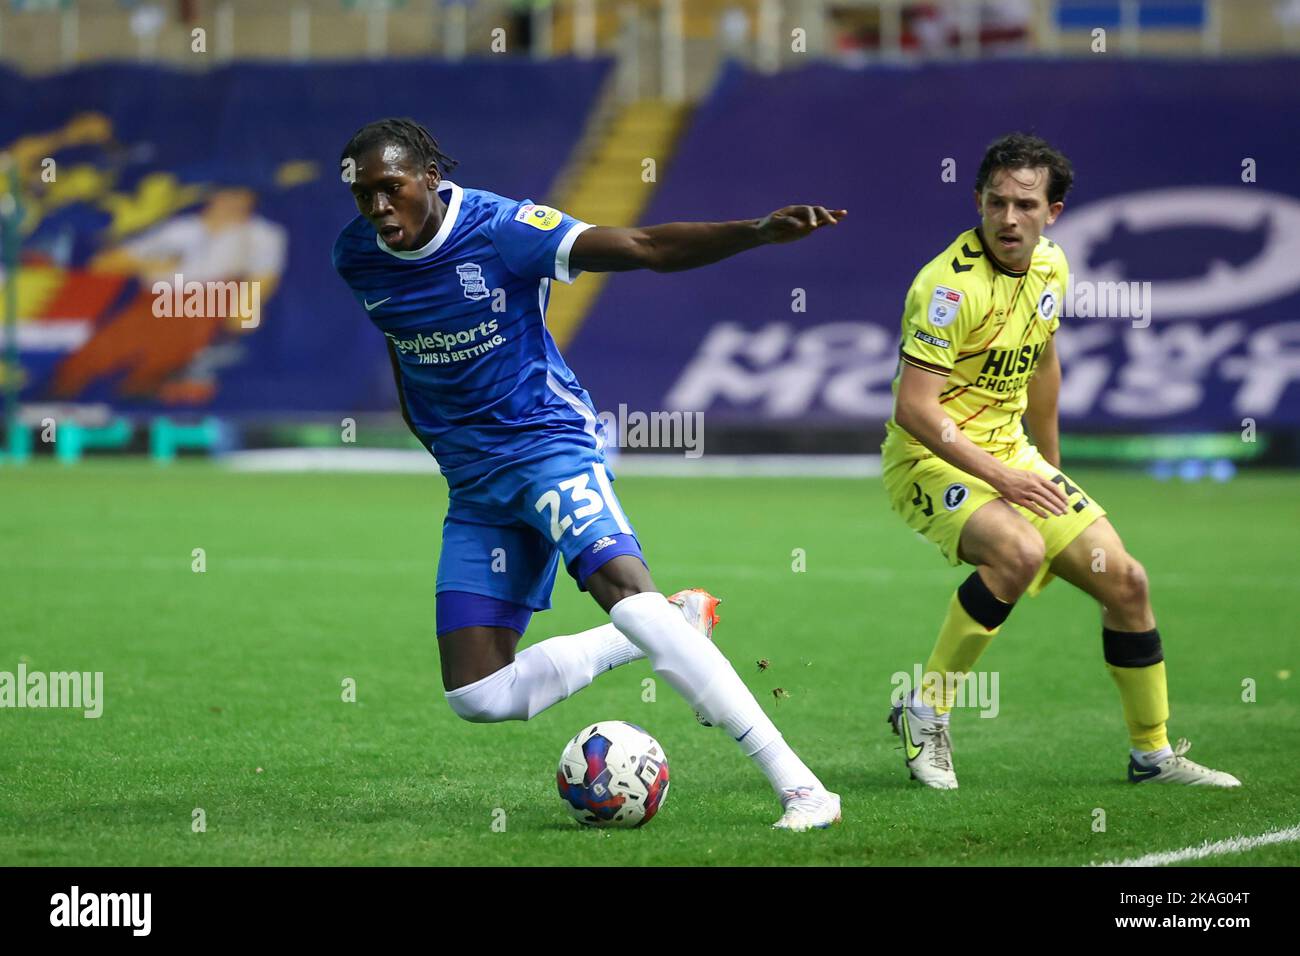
(471, 277)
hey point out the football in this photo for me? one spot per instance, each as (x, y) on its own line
(613, 774)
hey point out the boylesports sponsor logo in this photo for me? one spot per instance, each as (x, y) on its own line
(444, 348)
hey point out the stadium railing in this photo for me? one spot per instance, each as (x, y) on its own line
(670, 48)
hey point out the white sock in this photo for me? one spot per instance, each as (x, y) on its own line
(698, 671)
(925, 711)
(783, 768)
(542, 675)
(1149, 758)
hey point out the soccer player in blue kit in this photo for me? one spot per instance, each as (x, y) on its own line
(457, 280)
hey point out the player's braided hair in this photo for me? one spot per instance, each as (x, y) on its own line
(1024, 150)
(400, 131)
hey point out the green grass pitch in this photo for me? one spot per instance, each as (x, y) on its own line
(223, 690)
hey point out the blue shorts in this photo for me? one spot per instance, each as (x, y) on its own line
(504, 536)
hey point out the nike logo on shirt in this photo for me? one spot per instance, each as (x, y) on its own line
(371, 306)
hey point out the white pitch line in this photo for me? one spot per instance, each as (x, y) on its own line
(1237, 844)
(398, 461)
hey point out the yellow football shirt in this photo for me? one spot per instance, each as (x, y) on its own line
(985, 327)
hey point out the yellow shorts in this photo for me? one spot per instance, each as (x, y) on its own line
(936, 499)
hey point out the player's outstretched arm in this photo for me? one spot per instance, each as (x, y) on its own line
(918, 411)
(675, 246)
(1041, 413)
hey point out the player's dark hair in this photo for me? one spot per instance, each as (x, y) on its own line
(1021, 151)
(400, 131)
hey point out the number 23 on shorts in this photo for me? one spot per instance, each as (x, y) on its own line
(588, 501)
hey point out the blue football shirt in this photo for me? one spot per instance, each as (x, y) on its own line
(479, 376)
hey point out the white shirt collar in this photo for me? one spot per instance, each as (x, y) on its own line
(448, 223)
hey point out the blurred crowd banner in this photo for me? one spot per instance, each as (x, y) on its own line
(230, 180)
(1183, 234)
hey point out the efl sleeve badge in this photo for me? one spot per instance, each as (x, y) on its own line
(539, 217)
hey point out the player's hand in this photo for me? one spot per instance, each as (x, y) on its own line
(794, 222)
(1031, 491)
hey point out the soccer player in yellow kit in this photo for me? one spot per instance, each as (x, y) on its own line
(978, 364)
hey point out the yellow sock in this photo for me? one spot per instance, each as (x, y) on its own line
(1137, 665)
(1145, 698)
(974, 618)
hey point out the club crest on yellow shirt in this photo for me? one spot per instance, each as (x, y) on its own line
(1047, 305)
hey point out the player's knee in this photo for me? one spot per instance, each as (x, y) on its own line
(490, 712)
(1022, 557)
(488, 700)
(474, 715)
(1131, 590)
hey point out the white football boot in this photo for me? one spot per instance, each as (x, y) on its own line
(808, 808)
(927, 748)
(700, 608)
(1178, 769)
